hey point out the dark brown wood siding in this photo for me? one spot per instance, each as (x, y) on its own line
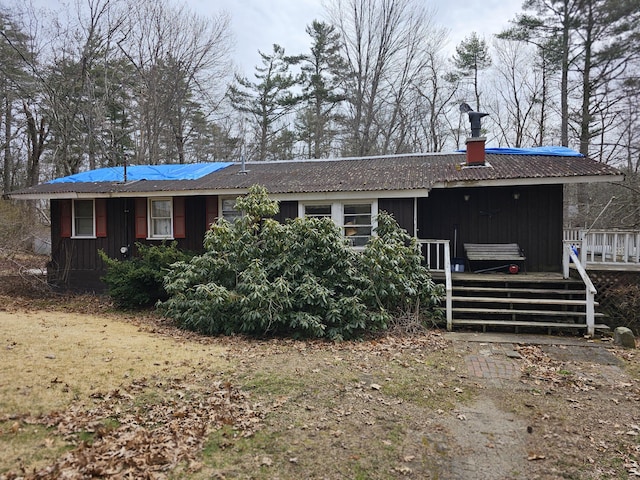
(401, 209)
(76, 264)
(494, 215)
(288, 209)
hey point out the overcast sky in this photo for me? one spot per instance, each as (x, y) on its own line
(258, 24)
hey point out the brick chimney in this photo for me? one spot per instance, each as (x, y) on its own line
(475, 151)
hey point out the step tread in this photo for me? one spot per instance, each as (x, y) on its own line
(508, 311)
(524, 323)
(532, 301)
(558, 291)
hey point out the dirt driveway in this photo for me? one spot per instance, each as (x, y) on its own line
(111, 396)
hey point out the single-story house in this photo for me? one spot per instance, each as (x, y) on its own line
(477, 196)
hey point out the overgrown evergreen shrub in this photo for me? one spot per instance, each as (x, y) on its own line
(138, 282)
(399, 285)
(258, 276)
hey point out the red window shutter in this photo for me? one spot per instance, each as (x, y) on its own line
(101, 217)
(211, 210)
(179, 223)
(141, 217)
(65, 218)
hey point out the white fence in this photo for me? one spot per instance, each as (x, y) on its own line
(605, 246)
(438, 258)
(568, 256)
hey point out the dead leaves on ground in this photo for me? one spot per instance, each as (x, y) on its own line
(124, 436)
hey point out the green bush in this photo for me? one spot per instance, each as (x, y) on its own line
(138, 282)
(399, 285)
(258, 276)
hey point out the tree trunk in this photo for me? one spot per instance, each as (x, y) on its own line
(585, 116)
(8, 163)
(564, 82)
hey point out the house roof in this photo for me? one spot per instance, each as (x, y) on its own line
(398, 173)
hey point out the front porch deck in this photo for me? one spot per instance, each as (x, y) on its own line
(529, 277)
(548, 300)
(522, 301)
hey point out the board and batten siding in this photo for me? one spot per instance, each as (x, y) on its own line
(530, 216)
(75, 262)
(402, 209)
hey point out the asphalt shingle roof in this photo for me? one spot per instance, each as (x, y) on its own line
(401, 172)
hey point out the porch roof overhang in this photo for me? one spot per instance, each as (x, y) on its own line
(529, 181)
(410, 175)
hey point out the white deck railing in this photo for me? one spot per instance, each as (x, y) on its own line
(607, 247)
(438, 258)
(568, 256)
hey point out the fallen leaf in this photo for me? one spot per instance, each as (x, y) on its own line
(534, 456)
(403, 470)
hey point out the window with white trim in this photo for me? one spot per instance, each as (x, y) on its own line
(355, 218)
(84, 224)
(160, 218)
(317, 211)
(357, 224)
(228, 209)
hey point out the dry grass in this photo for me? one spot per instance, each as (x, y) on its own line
(52, 360)
(388, 407)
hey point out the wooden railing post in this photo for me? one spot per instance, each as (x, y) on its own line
(591, 325)
(442, 264)
(590, 291)
(448, 283)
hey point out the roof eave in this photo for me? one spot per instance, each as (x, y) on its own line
(511, 182)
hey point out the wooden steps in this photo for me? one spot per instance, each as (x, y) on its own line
(557, 291)
(516, 324)
(526, 301)
(517, 300)
(513, 311)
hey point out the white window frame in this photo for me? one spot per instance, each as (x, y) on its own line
(222, 210)
(74, 232)
(150, 219)
(337, 213)
(345, 226)
(317, 204)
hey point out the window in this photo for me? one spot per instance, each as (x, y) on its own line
(356, 220)
(83, 219)
(357, 224)
(317, 211)
(229, 211)
(160, 218)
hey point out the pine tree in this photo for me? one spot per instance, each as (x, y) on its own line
(324, 71)
(268, 100)
(472, 55)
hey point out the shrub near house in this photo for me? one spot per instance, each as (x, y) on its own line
(300, 278)
(138, 282)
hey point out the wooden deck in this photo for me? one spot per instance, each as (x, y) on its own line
(523, 301)
(531, 277)
(551, 300)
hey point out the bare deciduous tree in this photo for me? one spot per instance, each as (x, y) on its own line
(383, 42)
(179, 58)
(519, 93)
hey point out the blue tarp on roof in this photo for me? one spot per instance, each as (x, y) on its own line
(191, 171)
(552, 151)
(546, 151)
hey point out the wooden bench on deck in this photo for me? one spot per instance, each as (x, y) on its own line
(498, 255)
